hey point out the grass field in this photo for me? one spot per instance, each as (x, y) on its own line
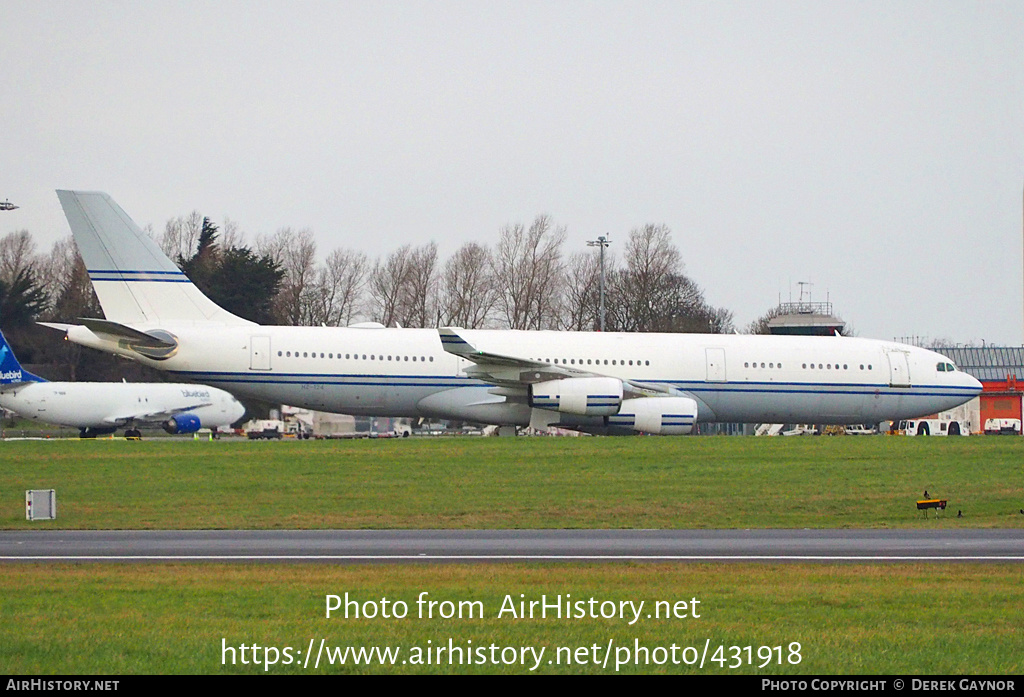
(921, 619)
(862, 482)
(847, 619)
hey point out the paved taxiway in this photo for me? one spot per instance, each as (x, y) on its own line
(358, 546)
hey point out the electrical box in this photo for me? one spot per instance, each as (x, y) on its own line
(41, 504)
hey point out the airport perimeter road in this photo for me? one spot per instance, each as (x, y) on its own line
(404, 546)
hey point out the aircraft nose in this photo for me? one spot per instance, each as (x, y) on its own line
(973, 383)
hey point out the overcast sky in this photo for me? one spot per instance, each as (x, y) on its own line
(874, 149)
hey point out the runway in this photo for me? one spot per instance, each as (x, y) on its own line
(474, 546)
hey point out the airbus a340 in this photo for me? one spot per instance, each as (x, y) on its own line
(589, 381)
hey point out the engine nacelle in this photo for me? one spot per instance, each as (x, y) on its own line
(667, 416)
(583, 396)
(182, 423)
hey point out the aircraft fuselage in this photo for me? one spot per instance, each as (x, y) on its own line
(406, 372)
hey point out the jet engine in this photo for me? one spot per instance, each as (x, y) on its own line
(182, 423)
(667, 416)
(583, 396)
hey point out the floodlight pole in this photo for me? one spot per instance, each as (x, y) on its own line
(601, 242)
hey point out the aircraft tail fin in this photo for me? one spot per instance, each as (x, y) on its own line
(11, 371)
(135, 281)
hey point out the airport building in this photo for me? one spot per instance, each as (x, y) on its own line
(806, 319)
(1001, 372)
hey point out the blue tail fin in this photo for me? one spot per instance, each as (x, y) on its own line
(10, 370)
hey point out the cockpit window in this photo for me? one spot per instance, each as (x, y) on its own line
(945, 367)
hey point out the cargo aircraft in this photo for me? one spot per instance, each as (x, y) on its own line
(609, 383)
(97, 408)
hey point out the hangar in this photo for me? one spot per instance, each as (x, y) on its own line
(1001, 372)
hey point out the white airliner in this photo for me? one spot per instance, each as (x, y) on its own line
(593, 382)
(103, 407)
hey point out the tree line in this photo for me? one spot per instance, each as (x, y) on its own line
(525, 280)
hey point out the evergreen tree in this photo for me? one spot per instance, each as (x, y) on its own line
(22, 299)
(246, 284)
(235, 278)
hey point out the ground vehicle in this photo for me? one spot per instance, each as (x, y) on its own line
(264, 429)
(933, 427)
(1005, 427)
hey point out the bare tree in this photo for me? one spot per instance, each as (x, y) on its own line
(421, 288)
(641, 289)
(467, 293)
(72, 293)
(231, 235)
(17, 255)
(339, 288)
(760, 325)
(181, 236)
(581, 301)
(387, 286)
(528, 272)
(720, 321)
(651, 293)
(295, 252)
(57, 267)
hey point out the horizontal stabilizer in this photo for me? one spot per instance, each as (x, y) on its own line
(120, 331)
(14, 387)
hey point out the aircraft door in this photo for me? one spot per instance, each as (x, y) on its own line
(899, 369)
(259, 353)
(715, 364)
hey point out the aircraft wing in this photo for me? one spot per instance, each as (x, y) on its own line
(153, 416)
(513, 372)
(15, 387)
